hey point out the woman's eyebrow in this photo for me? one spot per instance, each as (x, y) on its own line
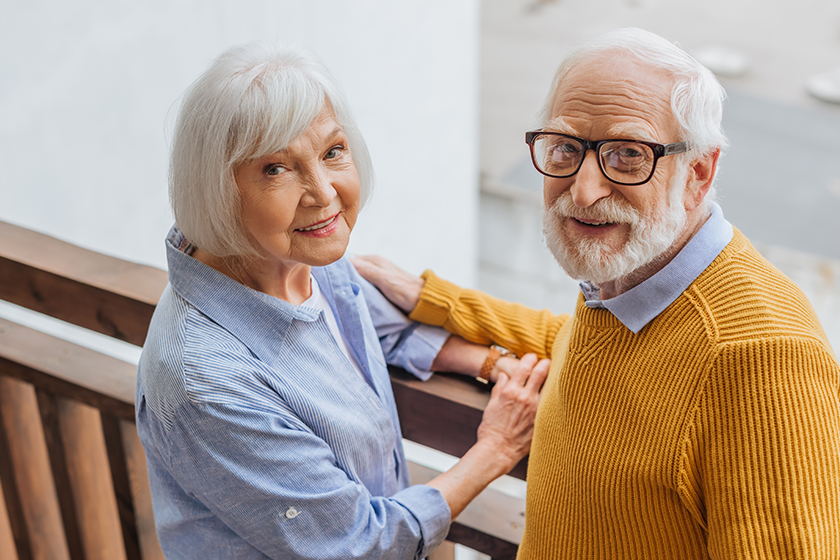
(336, 131)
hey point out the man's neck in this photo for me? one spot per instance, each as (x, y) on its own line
(624, 284)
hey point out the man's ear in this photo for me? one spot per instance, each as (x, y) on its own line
(701, 173)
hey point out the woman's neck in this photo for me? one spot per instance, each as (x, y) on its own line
(278, 279)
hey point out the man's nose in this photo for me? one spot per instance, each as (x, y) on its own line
(590, 185)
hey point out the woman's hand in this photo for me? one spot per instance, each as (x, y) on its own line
(508, 421)
(402, 288)
(504, 436)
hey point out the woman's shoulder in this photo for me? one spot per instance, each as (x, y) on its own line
(185, 350)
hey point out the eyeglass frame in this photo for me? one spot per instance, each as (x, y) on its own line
(659, 150)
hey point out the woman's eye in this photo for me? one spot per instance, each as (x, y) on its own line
(334, 152)
(274, 170)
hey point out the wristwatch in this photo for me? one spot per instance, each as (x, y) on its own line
(493, 356)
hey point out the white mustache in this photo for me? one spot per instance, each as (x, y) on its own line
(604, 210)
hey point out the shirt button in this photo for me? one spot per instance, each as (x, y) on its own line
(291, 513)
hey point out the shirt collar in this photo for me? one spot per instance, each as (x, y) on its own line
(640, 305)
(258, 320)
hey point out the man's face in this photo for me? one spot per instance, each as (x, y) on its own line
(598, 230)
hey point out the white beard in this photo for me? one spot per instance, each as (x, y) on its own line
(594, 260)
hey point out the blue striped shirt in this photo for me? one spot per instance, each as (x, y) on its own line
(262, 440)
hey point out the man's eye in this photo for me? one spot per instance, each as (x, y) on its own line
(629, 153)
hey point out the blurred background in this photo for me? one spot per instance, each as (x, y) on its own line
(444, 91)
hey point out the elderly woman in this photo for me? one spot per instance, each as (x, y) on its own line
(263, 398)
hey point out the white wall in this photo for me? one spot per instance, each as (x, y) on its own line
(88, 89)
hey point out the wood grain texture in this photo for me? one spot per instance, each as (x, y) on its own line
(7, 539)
(141, 493)
(30, 464)
(68, 370)
(17, 536)
(112, 431)
(51, 424)
(90, 479)
(97, 292)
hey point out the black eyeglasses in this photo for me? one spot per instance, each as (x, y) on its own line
(625, 162)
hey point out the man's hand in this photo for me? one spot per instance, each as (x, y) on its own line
(402, 288)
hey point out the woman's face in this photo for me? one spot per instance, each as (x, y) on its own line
(300, 204)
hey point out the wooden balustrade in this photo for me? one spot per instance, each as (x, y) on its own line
(73, 481)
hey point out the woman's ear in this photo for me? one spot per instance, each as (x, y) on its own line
(701, 173)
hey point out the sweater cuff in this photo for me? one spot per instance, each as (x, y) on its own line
(437, 300)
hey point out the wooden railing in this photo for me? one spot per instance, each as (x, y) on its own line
(73, 480)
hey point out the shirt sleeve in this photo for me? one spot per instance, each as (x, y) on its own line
(768, 435)
(405, 343)
(279, 487)
(483, 319)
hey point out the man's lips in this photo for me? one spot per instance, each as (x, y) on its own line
(319, 225)
(593, 223)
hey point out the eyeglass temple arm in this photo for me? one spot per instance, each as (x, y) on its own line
(675, 148)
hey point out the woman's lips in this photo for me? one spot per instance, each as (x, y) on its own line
(320, 229)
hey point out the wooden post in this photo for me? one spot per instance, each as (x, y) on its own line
(32, 475)
(90, 479)
(7, 537)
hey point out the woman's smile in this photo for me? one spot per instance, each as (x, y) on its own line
(320, 229)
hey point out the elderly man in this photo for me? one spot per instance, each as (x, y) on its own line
(692, 406)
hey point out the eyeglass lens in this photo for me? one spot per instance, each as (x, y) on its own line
(621, 161)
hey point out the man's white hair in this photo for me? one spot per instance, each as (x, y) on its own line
(696, 96)
(253, 100)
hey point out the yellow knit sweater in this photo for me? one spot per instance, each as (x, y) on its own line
(712, 433)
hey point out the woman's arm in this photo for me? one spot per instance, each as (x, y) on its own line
(458, 355)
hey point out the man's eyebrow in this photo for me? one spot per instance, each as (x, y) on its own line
(559, 124)
(630, 131)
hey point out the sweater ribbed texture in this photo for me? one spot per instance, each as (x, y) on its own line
(712, 433)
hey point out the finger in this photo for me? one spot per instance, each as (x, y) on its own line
(523, 369)
(368, 269)
(538, 375)
(378, 261)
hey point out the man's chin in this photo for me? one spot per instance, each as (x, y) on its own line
(589, 263)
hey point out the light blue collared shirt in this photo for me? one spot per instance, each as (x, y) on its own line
(637, 307)
(262, 440)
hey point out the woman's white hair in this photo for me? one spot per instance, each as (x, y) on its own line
(254, 100)
(696, 96)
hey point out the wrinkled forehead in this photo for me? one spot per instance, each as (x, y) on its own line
(614, 96)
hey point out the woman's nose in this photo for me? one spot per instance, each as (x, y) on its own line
(590, 185)
(319, 189)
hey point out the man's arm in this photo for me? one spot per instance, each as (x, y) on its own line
(770, 451)
(470, 314)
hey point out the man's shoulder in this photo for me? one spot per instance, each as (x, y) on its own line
(746, 296)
